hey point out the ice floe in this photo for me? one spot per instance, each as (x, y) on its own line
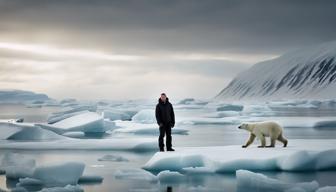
(88, 122)
(300, 155)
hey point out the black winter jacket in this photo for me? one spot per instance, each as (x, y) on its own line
(164, 113)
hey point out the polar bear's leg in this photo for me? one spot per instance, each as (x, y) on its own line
(262, 139)
(283, 140)
(273, 138)
(249, 141)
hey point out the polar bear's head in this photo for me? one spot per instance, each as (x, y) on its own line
(243, 126)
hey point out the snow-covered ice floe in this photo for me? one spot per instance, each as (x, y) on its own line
(124, 144)
(300, 155)
(88, 122)
(145, 116)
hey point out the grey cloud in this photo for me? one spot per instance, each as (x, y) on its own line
(177, 25)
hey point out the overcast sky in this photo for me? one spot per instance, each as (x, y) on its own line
(122, 49)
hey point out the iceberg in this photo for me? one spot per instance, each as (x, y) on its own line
(59, 175)
(146, 116)
(300, 155)
(89, 122)
(17, 166)
(117, 115)
(249, 181)
(170, 177)
(135, 174)
(35, 133)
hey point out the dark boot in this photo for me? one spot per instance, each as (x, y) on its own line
(170, 149)
(162, 149)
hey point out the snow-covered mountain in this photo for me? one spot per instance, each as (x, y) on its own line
(308, 73)
(20, 96)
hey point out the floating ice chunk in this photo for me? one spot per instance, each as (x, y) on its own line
(59, 175)
(88, 122)
(90, 179)
(300, 155)
(35, 133)
(135, 174)
(249, 181)
(55, 117)
(68, 188)
(17, 166)
(110, 125)
(29, 181)
(117, 115)
(10, 128)
(325, 124)
(170, 177)
(145, 116)
(116, 158)
(230, 107)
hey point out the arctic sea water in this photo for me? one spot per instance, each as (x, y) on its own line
(199, 135)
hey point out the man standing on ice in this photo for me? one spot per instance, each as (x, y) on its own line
(165, 118)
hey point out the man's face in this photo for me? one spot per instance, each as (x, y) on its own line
(163, 98)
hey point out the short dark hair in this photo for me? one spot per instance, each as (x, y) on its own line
(163, 94)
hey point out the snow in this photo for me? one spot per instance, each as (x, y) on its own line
(59, 175)
(127, 144)
(88, 122)
(116, 158)
(55, 117)
(146, 116)
(300, 155)
(249, 181)
(303, 74)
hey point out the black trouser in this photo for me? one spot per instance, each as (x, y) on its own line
(165, 130)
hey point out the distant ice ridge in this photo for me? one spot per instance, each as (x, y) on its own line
(308, 73)
(300, 155)
(21, 96)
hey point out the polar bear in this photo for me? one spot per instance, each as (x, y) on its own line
(264, 129)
